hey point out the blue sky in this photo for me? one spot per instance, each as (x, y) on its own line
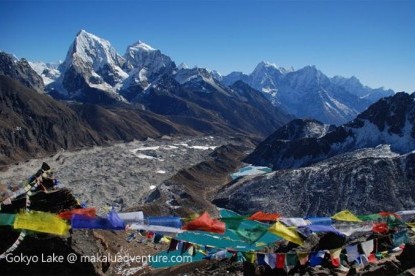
(371, 39)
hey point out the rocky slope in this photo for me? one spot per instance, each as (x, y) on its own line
(33, 124)
(389, 121)
(191, 190)
(363, 181)
(21, 71)
(239, 108)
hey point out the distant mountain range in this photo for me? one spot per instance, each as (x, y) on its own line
(94, 72)
(308, 93)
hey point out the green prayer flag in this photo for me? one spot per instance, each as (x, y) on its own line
(7, 219)
(371, 217)
(291, 259)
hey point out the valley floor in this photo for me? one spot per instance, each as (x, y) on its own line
(121, 175)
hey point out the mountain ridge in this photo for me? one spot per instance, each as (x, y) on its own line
(125, 78)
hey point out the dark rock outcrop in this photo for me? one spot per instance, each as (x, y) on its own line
(21, 71)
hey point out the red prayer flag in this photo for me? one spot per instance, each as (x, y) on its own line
(372, 258)
(261, 216)
(205, 223)
(88, 212)
(381, 228)
(280, 260)
(335, 262)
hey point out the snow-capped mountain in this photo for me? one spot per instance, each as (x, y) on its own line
(390, 121)
(94, 72)
(144, 65)
(48, 71)
(355, 87)
(308, 93)
(91, 65)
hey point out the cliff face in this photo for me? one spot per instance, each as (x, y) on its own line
(363, 181)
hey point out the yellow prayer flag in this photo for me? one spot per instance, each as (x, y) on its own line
(412, 225)
(41, 222)
(250, 256)
(346, 215)
(286, 233)
(302, 257)
(335, 253)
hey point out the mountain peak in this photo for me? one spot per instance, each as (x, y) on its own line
(140, 45)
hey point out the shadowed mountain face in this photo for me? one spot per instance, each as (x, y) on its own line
(34, 124)
(389, 121)
(239, 108)
(20, 70)
(364, 181)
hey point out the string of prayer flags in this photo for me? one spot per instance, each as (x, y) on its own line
(205, 223)
(41, 222)
(286, 233)
(346, 215)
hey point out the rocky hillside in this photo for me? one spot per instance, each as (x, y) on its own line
(191, 190)
(34, 124)
(21, 71)
(389, 121)
(363, 181)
